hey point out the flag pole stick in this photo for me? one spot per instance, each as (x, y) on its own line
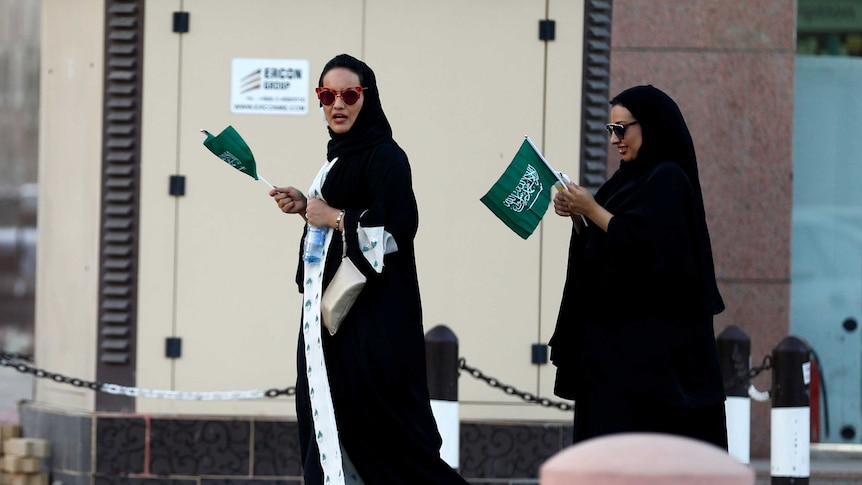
(260, 177)
(558, 175)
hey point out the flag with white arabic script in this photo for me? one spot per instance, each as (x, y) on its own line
(521, 196)
(231, 148)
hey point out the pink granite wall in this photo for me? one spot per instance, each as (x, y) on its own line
(729, 65)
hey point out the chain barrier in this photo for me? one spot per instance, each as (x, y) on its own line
(765, 365)
(752, 373)
(15, 356)
(510, 390)
(15, 361)
(753, 392)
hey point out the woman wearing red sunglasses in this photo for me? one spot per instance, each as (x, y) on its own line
(361, 395)
(634, 344)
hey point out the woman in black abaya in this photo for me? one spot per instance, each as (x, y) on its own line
(634, 344)
(362, 398)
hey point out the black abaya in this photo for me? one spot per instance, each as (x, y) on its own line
(376, 361)
(635, 323)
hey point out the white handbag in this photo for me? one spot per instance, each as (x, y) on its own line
(342, 291)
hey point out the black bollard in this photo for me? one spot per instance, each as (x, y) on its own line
(441, 361)
(734, 354)
(791, 415)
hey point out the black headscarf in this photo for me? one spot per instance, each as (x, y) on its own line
(371, 126)
(665, 134)
(666, 138)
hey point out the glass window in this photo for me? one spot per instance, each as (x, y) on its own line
(826, 245)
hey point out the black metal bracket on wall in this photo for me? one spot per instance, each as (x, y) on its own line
(177, 185)
(173, 347)
(181, 22)
(547, 30)
(539, 354)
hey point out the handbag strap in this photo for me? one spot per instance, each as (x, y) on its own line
(343, 245)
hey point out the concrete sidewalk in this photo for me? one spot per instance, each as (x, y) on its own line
(832, 464)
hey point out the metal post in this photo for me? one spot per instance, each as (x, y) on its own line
(734, 354)
(441, 358)
(790, 419)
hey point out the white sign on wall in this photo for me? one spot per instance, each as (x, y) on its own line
(269, 86)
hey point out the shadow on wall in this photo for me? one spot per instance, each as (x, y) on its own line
(17, 267)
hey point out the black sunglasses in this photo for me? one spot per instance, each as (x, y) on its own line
(619, 129)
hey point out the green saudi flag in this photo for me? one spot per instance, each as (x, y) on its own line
(521, 196)
(231, 148)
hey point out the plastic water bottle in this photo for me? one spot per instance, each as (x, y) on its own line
(315, 237)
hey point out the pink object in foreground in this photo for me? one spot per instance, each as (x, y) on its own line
(644, 459)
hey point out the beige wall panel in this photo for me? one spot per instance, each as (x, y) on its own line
(461, 87)
(562, 148)
(158, 211)
(236, 305)
(69, 197)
